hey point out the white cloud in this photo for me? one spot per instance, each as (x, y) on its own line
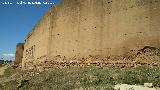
(8, 55)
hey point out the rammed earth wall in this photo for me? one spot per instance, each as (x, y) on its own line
(76, 29)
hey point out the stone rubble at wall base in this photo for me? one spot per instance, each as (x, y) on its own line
(148, 56)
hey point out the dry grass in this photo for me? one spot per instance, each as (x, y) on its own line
(79, 78)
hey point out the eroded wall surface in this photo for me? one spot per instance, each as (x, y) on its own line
(36, 44)
(82, 28)
(104, 27)
(19, 54)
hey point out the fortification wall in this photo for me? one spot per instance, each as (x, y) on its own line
(104, 27)
(76, 29)
(19, 54)
(36, 44)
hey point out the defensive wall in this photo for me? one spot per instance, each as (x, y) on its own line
(77, 29)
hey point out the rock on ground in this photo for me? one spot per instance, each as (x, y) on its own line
(132, 87)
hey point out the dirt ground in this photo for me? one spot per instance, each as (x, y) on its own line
(2, 69)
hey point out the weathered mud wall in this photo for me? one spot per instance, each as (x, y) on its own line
(104, 27)
(36, 44)
(19, 54)
(82, 28)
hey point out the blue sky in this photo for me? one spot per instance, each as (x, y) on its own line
(16, 21)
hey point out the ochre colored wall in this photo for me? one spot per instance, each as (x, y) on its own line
(19, 54)
(104, 27)
(36, 44)
(79, 28)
